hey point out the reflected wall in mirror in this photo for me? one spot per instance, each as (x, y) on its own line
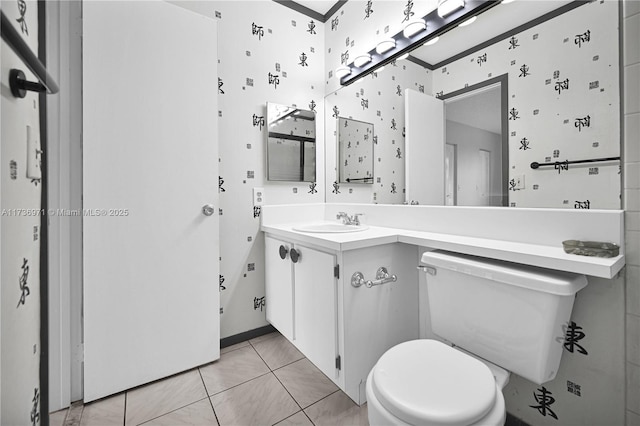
(355, 151)
(476, 154)
(563, 105)
(291, 144)
(377, 99)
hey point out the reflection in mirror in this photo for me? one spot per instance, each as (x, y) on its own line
(355, 151)
(476, 145)
(291, 144)
(562, 112)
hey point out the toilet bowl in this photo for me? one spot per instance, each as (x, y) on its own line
(486, 307)
(426, 382)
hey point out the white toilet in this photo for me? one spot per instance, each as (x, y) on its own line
(502, 317)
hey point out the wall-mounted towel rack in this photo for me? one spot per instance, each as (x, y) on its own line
(564, 165)
(17, 80)
(382, 277)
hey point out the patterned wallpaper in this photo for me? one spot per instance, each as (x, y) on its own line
(359, 25)
(377, 99)
(20, 230)
(563, 105)
(267, 53)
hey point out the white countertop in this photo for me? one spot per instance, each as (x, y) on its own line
(529, 254)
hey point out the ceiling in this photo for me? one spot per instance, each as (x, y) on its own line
(320, 6)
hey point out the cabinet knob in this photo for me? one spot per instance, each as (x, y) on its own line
(208, 210)
(283, 252)
(295, 255)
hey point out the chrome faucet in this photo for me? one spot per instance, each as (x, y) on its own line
(349, 220)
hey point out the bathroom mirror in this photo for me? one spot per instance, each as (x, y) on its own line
(355, 151)
(291, 144)
(560, 115)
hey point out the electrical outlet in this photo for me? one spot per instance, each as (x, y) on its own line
(258, 196)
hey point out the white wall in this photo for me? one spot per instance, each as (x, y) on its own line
(469, 141)
(64, 166)
(631, 175)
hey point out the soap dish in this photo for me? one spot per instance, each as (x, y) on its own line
(591, 248)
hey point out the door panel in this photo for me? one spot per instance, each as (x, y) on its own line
(151, 292)
(279, 286)
(316, 308)
(424, 148)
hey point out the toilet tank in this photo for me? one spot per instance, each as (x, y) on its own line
(513, 315)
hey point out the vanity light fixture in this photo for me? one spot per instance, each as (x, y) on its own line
(342, 71)
(468, 21)
(362, 60)
(385, 46)
(432, 41)
(417, 32)
(414, 27)
(447, 7)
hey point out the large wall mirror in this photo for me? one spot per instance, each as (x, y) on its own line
(291, 144)
(531, 117)
(355, 151)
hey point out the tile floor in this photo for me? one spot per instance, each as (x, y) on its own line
(263, 381)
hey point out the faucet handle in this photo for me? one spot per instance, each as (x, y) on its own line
(356, 218)
(341, 215)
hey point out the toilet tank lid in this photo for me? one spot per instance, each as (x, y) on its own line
(526, 276)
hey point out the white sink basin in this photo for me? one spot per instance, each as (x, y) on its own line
(330, 227)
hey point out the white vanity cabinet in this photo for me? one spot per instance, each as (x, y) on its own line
(301, 300)
(343, 330)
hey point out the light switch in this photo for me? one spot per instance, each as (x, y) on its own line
(519, 180)
(258, 196)
(33, 155)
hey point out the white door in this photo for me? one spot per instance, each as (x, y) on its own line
(484, 180)
(450, 168)
(150, 164)
(316, 308)
(424, 148)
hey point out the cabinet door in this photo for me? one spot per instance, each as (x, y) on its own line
(315, 309)
(279, 286)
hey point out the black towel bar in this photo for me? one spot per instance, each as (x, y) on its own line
(565, 164)
(17, 80)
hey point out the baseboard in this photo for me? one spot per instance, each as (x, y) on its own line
(241, 337)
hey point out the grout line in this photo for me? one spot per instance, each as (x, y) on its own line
(239, 384)
(124, 420)
(287, 390)
(209, 397)
(305, 413)
(173, 411)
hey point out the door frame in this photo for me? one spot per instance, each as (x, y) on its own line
(503, 81)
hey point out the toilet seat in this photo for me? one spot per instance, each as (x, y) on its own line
(427, 382)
